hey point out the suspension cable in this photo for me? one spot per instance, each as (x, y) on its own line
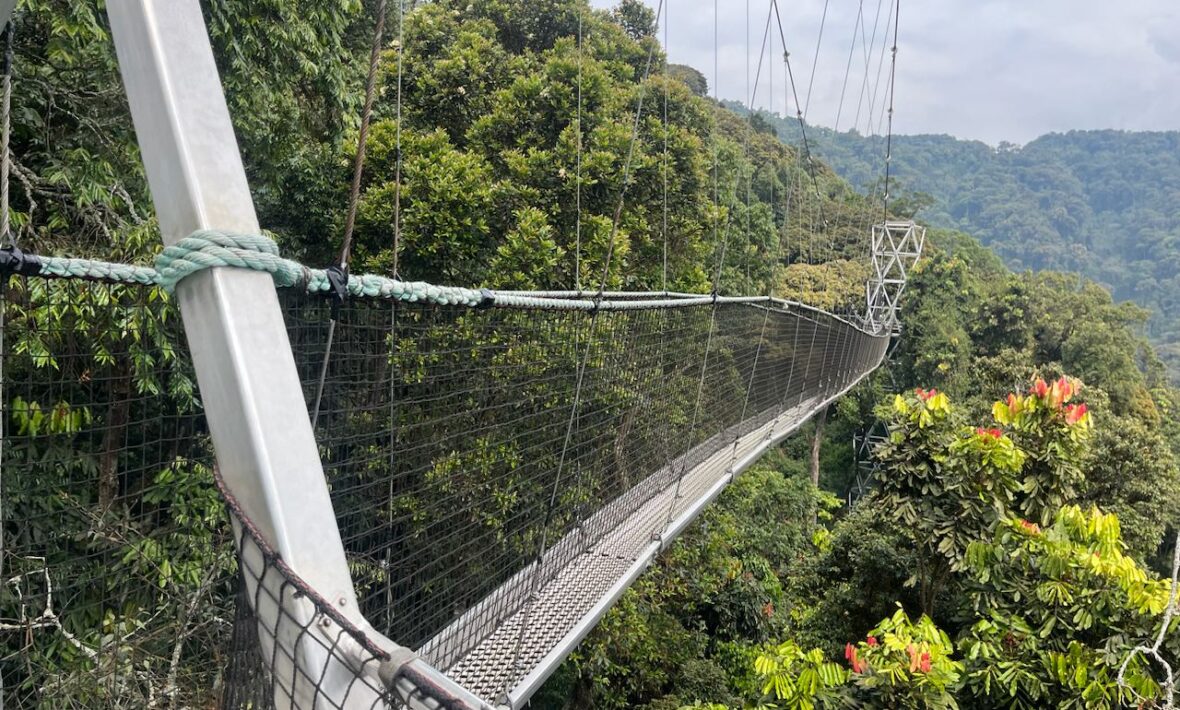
(815, 60)
(353, 196)
(848, 66)
(889, 130)
(578, 170)
(397, 170)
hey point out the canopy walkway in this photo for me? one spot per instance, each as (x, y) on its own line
(442, 432)
(433, 493)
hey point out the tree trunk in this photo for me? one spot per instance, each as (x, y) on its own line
(620, 448)
(117, 414)
(815, 442)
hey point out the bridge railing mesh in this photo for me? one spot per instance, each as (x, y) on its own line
(474, 457)
(117, 567)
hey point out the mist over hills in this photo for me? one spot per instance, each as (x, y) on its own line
(1103, 203)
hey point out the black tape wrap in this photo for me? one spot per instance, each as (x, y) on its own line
(15, 261)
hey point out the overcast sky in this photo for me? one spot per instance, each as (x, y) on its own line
(993, 70)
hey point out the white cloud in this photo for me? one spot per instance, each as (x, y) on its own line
(987, 69)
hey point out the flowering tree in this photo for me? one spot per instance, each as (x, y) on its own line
(950, 483)
(1043, 599)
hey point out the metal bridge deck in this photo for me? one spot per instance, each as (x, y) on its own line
(584, 580)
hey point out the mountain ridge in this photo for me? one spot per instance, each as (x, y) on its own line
(1104, 203)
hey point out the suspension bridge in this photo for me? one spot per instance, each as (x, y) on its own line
(433, 492)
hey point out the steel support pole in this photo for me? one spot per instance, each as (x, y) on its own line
(249, 385)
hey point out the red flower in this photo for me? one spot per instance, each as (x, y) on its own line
(989, 433)
(1061, 392)
(925, 395)
(1074, 413)
(1014, 403)
(1031, 528)
(850, 654)
(1040, 388)
(924, 666)
(872, 641)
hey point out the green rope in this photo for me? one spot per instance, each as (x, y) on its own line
(206, 249)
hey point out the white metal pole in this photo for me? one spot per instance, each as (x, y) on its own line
(249, 385)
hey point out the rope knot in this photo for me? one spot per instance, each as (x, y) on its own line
(208, 248)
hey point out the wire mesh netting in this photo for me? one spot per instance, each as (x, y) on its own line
(496, 475)
(470, 472)
(117, 570)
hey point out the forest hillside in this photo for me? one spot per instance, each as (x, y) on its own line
(1104, 204)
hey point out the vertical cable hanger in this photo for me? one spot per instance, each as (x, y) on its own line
(746, 154)
(578, 170)
(815, 59)
(751, 99)
(713, 140)
(848, 67)
(397, 170)
(751, 91)
(857, 27)
(664, 166)
(778, 242)
(724, 238)
(889, 129)
(870, 130)
(858, 35)
(798, 109)
(338, 274)
(397, 230)
(833, 228)
(7, 240)
(867, 50)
